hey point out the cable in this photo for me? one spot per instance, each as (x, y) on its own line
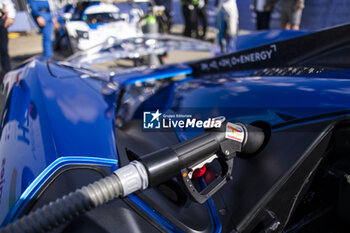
(82, 200)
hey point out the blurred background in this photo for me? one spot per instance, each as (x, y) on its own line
(25, 39)
(317, 14)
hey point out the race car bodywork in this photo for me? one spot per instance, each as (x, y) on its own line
(149, 49)
(64, 127)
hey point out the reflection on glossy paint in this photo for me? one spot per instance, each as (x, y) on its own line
(273, 99)
(78, 108)
(49, 93)
(12, 194)
(306, 89)
(341, 90)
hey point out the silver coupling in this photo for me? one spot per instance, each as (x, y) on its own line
(133, 177)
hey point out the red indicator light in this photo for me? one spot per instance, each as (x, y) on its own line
(199, 172)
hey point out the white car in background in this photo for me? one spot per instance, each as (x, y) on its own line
(99, 22)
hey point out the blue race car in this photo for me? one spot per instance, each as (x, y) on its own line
(254, 141)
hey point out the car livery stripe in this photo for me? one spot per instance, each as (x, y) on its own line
(40, 180)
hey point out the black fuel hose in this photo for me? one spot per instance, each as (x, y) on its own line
(68, 207)
(154, 168)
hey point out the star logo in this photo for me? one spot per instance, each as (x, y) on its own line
(151, 120)
(156, 115)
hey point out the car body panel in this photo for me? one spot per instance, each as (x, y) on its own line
(298, 97)
(136, 47)
(44, 124)
(72, 107)
(58, 114)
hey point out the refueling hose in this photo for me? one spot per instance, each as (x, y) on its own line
(82, 200)
(155, 168)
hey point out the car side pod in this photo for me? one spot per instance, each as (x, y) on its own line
(216, 143)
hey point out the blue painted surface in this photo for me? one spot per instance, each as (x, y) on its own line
(51, 118)
(63, 116)
(265, 98)
(56, 119)
(30, 191)
(152, 74)
(95, 25)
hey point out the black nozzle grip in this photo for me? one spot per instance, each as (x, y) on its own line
(161, 165)
(193, 150)
(214, 186)
(168, 162)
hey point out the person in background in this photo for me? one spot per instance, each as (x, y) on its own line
(227, 24)
(202, 16)
(291, 11)
(168, 10)
(263, 9)
(42, 12)
(190, 14)
(7, 16)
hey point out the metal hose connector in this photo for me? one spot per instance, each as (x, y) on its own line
(104, 190)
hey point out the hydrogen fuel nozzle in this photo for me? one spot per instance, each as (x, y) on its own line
(182, 159)
(221, 144)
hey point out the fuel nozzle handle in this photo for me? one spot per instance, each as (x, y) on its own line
(228, 139)
(224, 141)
